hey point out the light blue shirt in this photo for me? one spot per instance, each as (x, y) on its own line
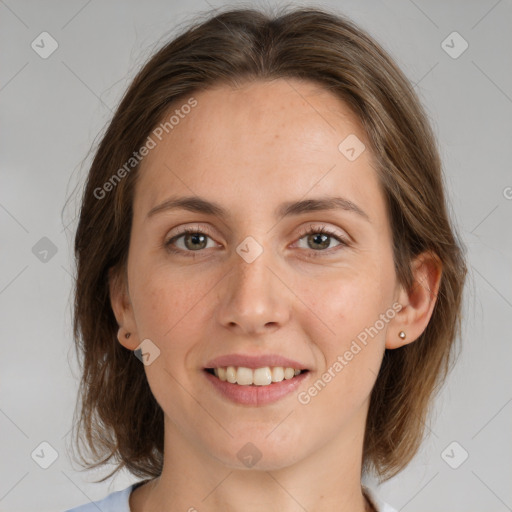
(118, 501)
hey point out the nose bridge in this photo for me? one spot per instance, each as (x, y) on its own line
(253, 297)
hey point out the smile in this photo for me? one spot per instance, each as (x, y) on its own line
(258, 376)
(255, 387)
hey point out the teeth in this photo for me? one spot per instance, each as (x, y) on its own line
(277, 374)
(259, 376)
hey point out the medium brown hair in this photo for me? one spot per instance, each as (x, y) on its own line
(119, 417)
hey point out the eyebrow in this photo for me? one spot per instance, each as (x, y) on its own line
(198, 204)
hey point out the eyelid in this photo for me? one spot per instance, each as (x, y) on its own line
(311, 228)
(183, 230)
(304, 230)
(322, 228)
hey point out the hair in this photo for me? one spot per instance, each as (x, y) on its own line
(119, 417)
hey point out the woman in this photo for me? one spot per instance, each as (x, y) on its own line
(264, 226)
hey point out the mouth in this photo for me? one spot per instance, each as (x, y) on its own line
(255, 387)
(265, 376)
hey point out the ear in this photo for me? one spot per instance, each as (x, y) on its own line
(418, 302)
(122, 308)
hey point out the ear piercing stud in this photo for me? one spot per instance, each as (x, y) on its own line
(128, 334)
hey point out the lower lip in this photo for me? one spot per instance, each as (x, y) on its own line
(256, 395)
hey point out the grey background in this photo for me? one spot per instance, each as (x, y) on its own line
(53, 109)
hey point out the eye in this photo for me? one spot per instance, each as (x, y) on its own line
(319, 239)
(194, 240)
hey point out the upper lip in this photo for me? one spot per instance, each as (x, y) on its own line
(253, 362)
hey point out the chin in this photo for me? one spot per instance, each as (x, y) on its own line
(257, 453)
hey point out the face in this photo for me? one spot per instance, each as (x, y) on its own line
(306, 286)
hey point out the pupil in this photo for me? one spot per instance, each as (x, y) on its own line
(195, 237)
(325, 242)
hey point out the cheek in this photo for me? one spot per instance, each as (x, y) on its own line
(167, 311)
(166, 304)
(356, 309)
(351, 303)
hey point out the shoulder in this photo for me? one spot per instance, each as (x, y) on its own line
(380, 506)
(117, 501)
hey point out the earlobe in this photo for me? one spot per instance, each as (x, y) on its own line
(418, 302)
(126, 339)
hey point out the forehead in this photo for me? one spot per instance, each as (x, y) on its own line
(257, 142)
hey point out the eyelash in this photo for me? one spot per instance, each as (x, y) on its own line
(307, 231)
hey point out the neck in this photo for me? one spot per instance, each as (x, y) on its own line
(327, 478)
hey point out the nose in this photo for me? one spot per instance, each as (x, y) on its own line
(253, 297)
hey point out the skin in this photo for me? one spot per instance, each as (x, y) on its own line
(250, 149)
